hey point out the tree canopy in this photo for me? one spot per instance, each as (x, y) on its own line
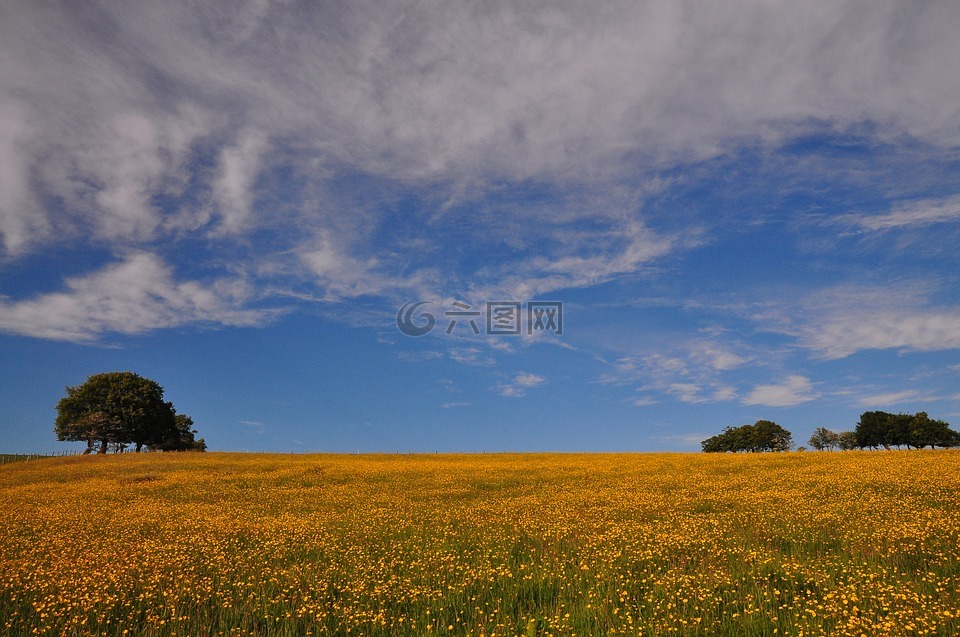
(764, 435)
(880, 429)
(121, 408)
(823, 438)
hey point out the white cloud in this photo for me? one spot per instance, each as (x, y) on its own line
(620, 247)
(694, 378)
(837, 322)
(255, 425)
(20, 216)
(885, 400)
(129, 297)
(343, 275)
(794, 390)
(717, 356)
(528, 380)
(233, 188)
(660, 363)
(451, 90)
(842, 334)
(642, 245)
(687, 392)
(471, 356)
(926, 212)
(511, 391)
(147, 121)
(520, 384)
(724, 393)
(419, 356)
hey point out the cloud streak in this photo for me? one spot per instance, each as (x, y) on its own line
(794, 390)
(520, 384)
(134, 126)
(419, 91)
(838, 322)
(133, 296)
(913, 214)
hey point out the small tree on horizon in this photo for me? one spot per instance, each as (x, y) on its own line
(824, 440)
(764, 435)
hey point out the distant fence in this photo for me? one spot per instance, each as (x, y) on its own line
(6, 458)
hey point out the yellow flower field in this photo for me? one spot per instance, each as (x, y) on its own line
(853, 543)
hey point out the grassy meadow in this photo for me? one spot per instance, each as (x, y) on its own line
(852, 543)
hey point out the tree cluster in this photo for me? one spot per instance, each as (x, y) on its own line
(880, 429)
(825, 440)
(764, 435)
(116, 409)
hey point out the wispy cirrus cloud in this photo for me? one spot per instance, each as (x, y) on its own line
(233, 187)
(716, 355)
(471, 356)
(912, 214)
(395, 91)
(693, 373)
(887, 399)
(844, 333)
(794, 390)
(519, 385)
(842, 320)
(133, 296)
(135, 126)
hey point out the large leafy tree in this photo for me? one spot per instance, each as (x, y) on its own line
(116, 408)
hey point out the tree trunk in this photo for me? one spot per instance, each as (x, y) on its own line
(103, 446)
(139, 446)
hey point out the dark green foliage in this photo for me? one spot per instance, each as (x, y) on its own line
(924, 431)
(764, 435)
(898, 430)
(183, 438)
(880, 429)
(115, 409)
(872, 429)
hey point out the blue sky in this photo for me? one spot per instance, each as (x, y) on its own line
(748, 210)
